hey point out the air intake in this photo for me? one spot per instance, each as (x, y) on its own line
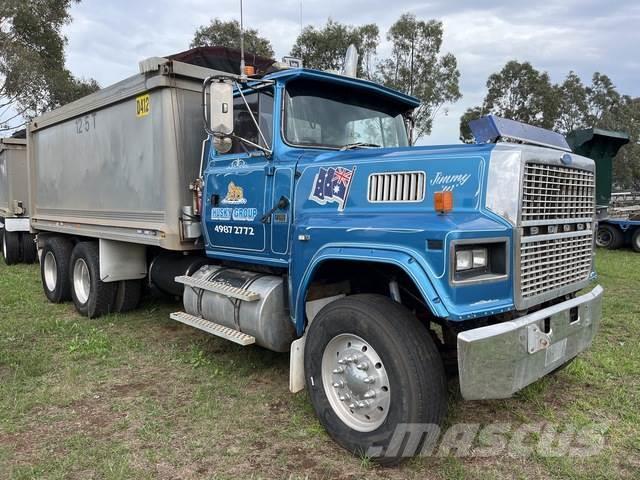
(396, 187)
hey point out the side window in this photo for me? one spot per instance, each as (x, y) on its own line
(266, 116)
(243, 125)
(261, 105)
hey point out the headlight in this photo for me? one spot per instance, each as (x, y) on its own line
(479, 258)
(468, 259)
(479, 261)
(464, 260)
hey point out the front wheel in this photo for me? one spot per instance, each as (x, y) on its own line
(372, 369)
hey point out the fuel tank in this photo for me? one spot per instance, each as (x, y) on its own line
(266, 319)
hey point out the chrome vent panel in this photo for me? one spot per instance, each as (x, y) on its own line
(397, 187)
(552, 193)
(556, 231)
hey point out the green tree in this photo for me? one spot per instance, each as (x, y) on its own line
(227, 34)
(33, 78)
(602, 98)
(625, 116)
(573, 104)
(519, 92)
(324, 48)
(417, 68)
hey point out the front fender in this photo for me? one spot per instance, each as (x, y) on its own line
(410, 262)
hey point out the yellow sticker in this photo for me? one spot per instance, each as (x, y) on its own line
(143, 105)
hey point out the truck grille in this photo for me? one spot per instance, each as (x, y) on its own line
(552, 192)
(556, 227)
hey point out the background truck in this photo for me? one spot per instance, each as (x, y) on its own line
(17, 243)
(300, 219)
(618, 215)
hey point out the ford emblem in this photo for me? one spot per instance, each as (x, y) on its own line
(566, 159)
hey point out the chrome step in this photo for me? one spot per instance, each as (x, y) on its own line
(219, 287)
(213, 328)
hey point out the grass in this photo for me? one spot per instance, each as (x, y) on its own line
(139, 396)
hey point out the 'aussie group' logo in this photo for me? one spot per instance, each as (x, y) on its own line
(332, 185)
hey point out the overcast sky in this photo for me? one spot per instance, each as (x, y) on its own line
(108, 38)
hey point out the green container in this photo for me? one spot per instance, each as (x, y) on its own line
(601, 146)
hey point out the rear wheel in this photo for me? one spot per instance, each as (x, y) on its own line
(91, 296)
(54, 269)
(29, 251)
(128, 293)
(609, 237)
(371, 367)
(635, 240)
(11, 247)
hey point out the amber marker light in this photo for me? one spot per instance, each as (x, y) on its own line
(249, 70)
(443, 201)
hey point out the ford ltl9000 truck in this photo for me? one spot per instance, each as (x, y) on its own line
(309, 224)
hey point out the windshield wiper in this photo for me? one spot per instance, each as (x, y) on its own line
(350, 146)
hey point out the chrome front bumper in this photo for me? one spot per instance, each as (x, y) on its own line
(498, 360)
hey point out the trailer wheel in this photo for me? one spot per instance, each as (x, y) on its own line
(635, 240)
(29, 250)
(128, 293)
(609, 237)
(371, 367)
(11, 247)
(54, 269)
(91, 296)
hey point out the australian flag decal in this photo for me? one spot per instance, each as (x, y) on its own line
(332, 185)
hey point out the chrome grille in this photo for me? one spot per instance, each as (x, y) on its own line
(549, 264)
(552, 193)
(396, 187)
(556, 228)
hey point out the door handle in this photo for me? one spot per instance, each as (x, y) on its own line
(281, 205)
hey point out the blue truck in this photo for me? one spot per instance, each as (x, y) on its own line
(316, 228)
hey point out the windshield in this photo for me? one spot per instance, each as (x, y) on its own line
(326, 115)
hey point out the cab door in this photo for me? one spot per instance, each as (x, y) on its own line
(240, 183)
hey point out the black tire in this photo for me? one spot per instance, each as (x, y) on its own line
(417, 384)
(635, 240)
(128, 294)
(92, 297)
(29, 250)
(54, 269)
(11, 247)
(609, 237)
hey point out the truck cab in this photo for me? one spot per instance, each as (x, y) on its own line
(383, 265)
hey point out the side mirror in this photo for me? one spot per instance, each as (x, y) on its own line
(221, 98)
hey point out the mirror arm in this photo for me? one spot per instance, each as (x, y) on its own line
(266, 151)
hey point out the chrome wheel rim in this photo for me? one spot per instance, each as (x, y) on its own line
(81, 281)
(355, 382)
(50, 268)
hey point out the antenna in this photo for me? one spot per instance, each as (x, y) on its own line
(243, 74)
